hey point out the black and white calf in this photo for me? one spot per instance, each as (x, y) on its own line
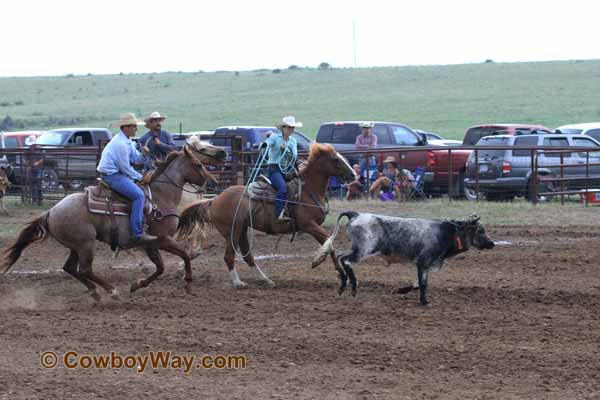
(427, 243)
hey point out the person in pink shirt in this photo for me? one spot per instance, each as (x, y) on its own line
(365, 141)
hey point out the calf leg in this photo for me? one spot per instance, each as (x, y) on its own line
(422, 276)
(347, 262)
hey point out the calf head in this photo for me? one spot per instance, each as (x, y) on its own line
(475, 233)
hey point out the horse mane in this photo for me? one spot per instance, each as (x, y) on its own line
(316, 149)
(161, 166)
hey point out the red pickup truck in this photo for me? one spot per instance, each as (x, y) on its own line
(417, 153)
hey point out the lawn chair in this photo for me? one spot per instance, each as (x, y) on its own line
(418, 184)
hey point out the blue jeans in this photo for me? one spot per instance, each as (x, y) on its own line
(125, 186)
(278, 182)
(363, 167)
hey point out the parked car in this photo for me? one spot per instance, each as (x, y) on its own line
(591, 129)
(476, 132)
(79, 169)
(342, 135)
(505, 174)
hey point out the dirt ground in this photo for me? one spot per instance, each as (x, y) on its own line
(519, 321)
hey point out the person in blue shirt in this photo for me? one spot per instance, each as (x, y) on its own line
(158, 143)
(116, 170)
(282, 150)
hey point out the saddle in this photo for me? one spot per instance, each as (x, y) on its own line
(261, 189)
(103, 200)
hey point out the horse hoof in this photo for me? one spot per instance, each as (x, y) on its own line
(115, 295)
(340, 291)
(270, 283)
(188, 288)
(239, 285)
(95, 295)
(402, 290)
(136, 285)
(353, 292)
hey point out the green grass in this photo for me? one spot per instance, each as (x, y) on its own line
(517, 213)
(446, 99)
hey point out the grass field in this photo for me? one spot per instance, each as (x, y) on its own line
(446, 99)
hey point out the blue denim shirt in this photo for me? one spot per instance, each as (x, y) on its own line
(159, 151)
(274, 143)
(117, 157)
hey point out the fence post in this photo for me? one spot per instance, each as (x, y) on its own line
(477, 175)
(587, 176)
(534, 177)
(237, 167)
(562, 175)
(450, 186)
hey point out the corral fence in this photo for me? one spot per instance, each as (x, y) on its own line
(46, 175)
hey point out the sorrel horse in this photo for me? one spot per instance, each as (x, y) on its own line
(72, 225)
(229, 211)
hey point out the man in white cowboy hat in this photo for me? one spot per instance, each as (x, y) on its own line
(158, 142)
(282, 151)
(116, 170)
(366, 141)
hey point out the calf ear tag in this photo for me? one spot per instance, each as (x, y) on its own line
(459, 243)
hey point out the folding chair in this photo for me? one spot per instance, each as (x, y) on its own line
(418, 187)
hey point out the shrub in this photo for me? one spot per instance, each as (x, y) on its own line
(324, 65)
(293, 67)
(4, 104)
(276, 71)
(19, 103)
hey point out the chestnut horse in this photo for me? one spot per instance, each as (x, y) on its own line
(72, 225)
(229, 211)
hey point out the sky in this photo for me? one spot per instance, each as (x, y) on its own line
(62, 37)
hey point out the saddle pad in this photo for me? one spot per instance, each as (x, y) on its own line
(262, 189)
(97, 203)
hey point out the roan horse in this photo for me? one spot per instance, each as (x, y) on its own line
(71, 224)
(229, 214)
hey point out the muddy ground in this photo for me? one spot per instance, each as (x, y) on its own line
(519, 321)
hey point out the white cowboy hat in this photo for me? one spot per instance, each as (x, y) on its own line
(366, 124)
(289, 121)
(128, 119)
(155, 115)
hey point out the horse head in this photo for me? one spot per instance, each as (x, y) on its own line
(205, 152)
(331, 162)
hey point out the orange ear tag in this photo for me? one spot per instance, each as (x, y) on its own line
(459, 243)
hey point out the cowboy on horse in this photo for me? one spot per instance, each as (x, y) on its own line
(116, 170)
(282, 151)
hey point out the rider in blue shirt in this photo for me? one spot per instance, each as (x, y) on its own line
(116, 170)
(282, 151)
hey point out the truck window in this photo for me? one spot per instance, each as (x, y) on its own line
(81, 139)
(556, 142)
(383, 136)
(585, 142)
(404, 137)
(595, 133)
(325, 133)
(473, 135)
(345, 134)
(524, 141)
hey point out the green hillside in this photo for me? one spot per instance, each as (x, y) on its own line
(445, 99)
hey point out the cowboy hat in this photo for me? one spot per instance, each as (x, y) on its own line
(289, 121)
(155, 115)
(390, 159)
(366, 124)
(128, 119)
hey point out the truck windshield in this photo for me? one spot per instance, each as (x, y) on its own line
(51, 139)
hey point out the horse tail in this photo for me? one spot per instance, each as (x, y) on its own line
(327, 247)
(35, 231)
(193, 217)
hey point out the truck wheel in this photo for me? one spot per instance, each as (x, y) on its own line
(49, 179)
(471, 194)
(543, 191)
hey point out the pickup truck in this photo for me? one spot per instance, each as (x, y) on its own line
(76, 166)
(342, 135)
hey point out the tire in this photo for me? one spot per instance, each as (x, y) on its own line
(49, 179)
(543, 192)
(76, 184)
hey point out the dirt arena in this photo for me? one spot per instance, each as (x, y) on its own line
(519, 321)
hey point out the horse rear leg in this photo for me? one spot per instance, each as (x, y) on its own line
(249, 259)
(70, 267)
(230, 261)
(155, 257)
(86, 259)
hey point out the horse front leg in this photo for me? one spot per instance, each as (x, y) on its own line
(321, 236)
(155, 257)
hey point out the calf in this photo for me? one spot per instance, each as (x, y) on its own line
(427, 243)
(4, 184)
